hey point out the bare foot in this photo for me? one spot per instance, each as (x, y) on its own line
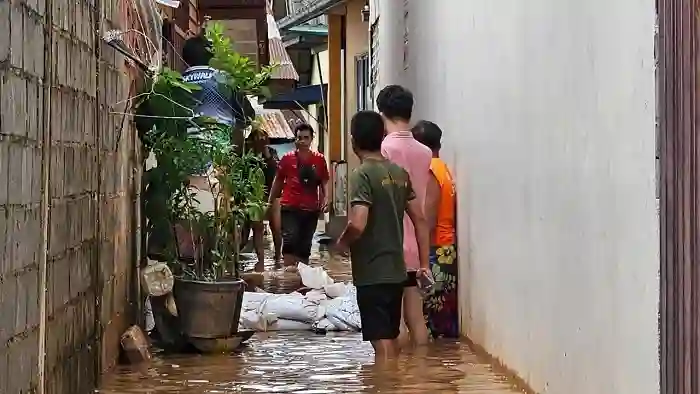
(260, 267)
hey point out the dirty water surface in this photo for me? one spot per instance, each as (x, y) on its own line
(308, 363)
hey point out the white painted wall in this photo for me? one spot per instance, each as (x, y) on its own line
(318, 75)
(548, 109)
(391, 36)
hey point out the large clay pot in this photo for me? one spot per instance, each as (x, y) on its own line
(209, 310)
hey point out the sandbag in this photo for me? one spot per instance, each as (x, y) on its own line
(289, 325)
(339, 324)
(316, 296)
(253, 300)
(343, 312)
(336, 290)
(252, 320)
(326, 325)
(292, 307)
(314, 277)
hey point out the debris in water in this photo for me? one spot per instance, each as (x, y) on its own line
(135, 345)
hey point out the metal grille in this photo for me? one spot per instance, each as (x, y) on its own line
(362, 82)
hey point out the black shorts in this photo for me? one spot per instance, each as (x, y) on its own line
(380, 310)
(298, 228)
(412, 280)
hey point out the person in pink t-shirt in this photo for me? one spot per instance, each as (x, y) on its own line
(395, 103)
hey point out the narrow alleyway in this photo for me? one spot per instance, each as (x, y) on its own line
(304, 362)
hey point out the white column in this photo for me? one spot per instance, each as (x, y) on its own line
(391, 36)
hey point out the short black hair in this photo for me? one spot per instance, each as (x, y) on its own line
(395, 102)
(428, 134)
(303, 127)
(367, 131)
(197, 51)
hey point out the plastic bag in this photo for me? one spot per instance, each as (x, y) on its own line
(314, 277)
(148, 311)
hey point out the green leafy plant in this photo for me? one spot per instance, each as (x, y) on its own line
(198, 243)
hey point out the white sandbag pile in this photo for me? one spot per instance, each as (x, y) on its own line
(328, 306)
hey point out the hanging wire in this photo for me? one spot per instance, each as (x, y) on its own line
(133, 115)
(114, 35)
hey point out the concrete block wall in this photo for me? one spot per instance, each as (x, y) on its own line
(21, 118)
(89, 247)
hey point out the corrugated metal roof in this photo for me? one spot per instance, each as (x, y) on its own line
(310, 11)
(278, 54)
(272, 121)
(275, 124)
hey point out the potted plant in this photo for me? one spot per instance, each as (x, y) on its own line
(203, 188)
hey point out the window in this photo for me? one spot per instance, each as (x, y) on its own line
(362, 83)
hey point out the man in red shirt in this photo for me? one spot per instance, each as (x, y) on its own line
(302, 182)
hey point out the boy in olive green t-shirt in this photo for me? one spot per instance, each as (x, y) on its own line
(380, 193)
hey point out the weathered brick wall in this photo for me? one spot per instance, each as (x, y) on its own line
(90, 196)
(21, 73)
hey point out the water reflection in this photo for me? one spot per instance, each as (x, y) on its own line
(307, 363)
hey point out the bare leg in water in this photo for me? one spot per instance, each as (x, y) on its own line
(385, 349)
(413, 319)
(258, 239)
(274, 218)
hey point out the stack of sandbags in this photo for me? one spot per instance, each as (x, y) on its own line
(342, 312)
(279, 312)
(315, 310)
(326, 306)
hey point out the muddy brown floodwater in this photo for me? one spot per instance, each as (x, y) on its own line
(303, 362)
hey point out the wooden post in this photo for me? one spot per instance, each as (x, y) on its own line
(45, 198)
(678, 61)
(335, 86)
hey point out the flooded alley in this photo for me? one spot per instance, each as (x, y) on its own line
(304, 362)
(308, 363)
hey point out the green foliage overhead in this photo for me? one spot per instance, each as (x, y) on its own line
(183, 145)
